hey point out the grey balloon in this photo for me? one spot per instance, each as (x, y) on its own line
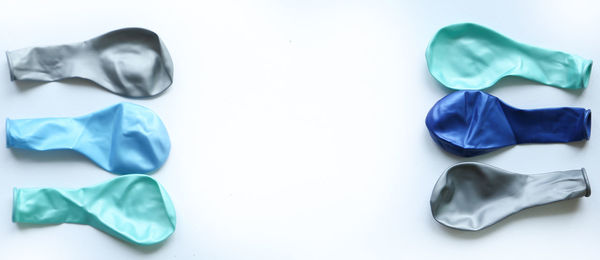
(472, 196)
(131, 62)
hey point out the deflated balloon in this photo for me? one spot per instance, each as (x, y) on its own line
(470, 56)
(132, 62)
(473, 196)
(124, 138)
(134, 208)
(469, 123)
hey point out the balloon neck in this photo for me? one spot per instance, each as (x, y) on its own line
(551, 125)
(553, 68)
(47, 206)
(43, 63)
(43, 133)
(573, 184)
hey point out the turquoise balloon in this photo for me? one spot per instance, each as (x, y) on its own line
(134, 208)
(472, 57)
(124, 138)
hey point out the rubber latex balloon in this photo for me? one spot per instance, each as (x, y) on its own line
(132, 62)
(469, 123)
(473, 196)
(134, 208)
(124, 138)
(470, 57)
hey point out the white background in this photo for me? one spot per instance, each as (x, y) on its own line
(297, 129)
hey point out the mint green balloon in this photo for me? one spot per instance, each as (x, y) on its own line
(471, 57)
(134, 208)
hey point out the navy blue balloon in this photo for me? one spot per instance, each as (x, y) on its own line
(470, 123)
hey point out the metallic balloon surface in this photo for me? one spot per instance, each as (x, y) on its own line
(131, 62)
(469, 123)
(134, 208)
(124, 138)
(473, 196)
(470, 57)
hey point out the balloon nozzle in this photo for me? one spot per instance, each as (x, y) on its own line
(588, 189)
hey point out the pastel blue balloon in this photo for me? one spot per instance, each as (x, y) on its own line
(124, 138)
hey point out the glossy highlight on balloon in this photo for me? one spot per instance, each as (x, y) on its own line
(473, 196)
(470, 123)
(131, 62)
(468, 56)
(134, 208)
(124, 138)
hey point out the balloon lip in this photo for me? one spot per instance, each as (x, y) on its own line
(9, 138)
(588, 188)
(14, 207)
(10, 67)
(587, 123)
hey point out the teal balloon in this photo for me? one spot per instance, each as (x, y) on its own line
(472, 57)
(124, 138)
(134, 208)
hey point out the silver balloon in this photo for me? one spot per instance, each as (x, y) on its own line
(131, 62)
(473, 196)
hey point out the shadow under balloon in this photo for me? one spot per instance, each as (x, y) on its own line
(518, 82)
(27, 85)
(505, 82)
(147, 249)
(440, 87)
(27, 226)
(577, 144)
(545, 211)
(144, 249)
(459, 158)
(62, 155)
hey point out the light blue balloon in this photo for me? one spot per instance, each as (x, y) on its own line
(124, 138)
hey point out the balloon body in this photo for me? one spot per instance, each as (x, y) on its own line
(469, 123)
(134, 208)
(124, 138)
(473, 196)
(471, 57)
(131, 62)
